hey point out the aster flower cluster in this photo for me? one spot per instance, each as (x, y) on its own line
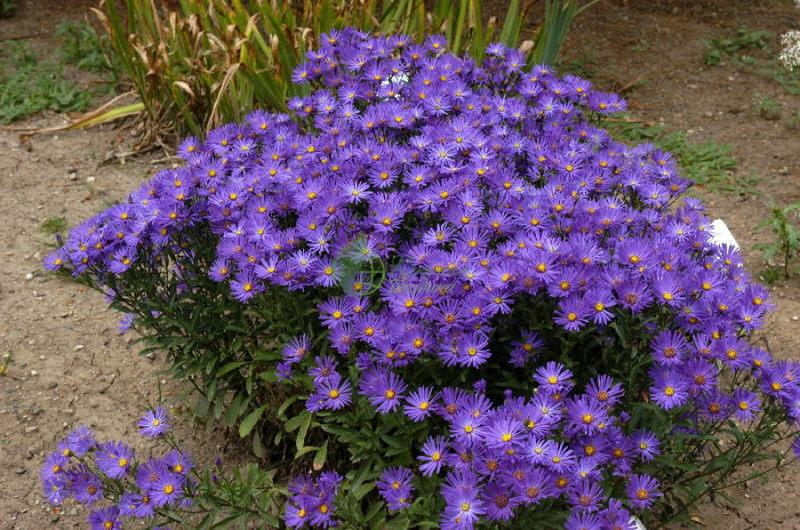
(554, 446)
(311, 501)
(427, 197)
(91, 472)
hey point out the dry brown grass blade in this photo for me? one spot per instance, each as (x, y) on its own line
(232, 69)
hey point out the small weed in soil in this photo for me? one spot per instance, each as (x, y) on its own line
(769, 108)
(7, 8)
(4, 362)
(54, 225)
(708, 164)
(783, 223)
(28, 86)
(789, 80)
(83, 47)
(743, 40)
(793, 121)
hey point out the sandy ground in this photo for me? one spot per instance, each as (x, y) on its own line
(69, 366)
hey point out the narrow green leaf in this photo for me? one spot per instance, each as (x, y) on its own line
(250, 421)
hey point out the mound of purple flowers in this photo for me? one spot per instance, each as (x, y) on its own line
(428, 197)
(90, 472)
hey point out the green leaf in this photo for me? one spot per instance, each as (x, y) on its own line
(301, 434)
(321, 456)
(362, 490)
(250, 421)
(229, 367)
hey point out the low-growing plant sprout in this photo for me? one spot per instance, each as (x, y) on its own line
(445, 284)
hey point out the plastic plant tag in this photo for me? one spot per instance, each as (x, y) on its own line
(635, 520)
(721, 235)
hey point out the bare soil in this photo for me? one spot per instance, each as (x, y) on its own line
(69, 366)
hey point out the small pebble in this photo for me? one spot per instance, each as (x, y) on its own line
(90, 179)
(32, 428)
(34, 373)
(79, 347)
(29, 276)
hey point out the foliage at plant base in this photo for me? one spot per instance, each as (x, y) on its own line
(783, 223)
(212, 61)
(446, 285)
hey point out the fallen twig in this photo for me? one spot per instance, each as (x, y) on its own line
(21, 37)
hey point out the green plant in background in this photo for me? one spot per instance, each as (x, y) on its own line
(793, 121)
(789, 80)
(212, 61)
(708, 164)
(54, 225)
(769, 108)
(743, 40)
(783, 223)
(83, 47)
(8, 8)
(28, 86)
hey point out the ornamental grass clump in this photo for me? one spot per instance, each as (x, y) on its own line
(446, 282)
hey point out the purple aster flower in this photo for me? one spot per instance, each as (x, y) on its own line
(135, 505)
(55, 465)
(150, 473)
(586, 495)
(500, 503)
(647, 445)
(603, 389)
(669, 389)
(669, 348)
(105, 519)
(746, 404)
(87, 487)
(535, 487)
(617, 517)
(80, 441)
(57, 489)
(167, 490)
(154, 423)
(573, 313)
(178, 462)
(583, 520)
(586, 415)
(384, 390)
(504, 433)
(642, 491)
(433, 454)
(553, 377)
(462, 510)
(333, 393)
(395, 486)
(114, 459)
(419, 403)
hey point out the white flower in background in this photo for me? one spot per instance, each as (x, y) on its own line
(790, 53)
